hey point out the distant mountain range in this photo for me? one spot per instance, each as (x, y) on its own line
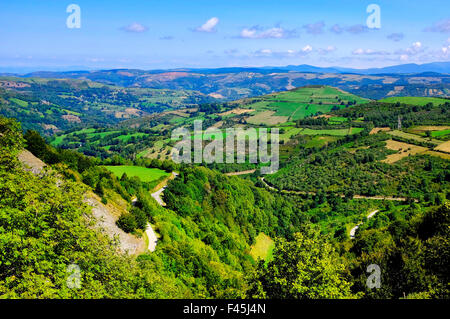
(438, 67)
(432, 79)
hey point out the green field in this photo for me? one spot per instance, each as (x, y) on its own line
(337, 132)
(19, 102)
(145, 174)
(300, 103)
(262, 248)
(414, 100)
(440, 133)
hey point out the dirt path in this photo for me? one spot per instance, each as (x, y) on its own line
(354, 229)
(250, 171)
(162, 186)
(152, 239)
(151, 235)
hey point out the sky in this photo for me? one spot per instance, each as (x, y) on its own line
(153, 34)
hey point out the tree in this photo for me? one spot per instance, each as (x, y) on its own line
(304, 268)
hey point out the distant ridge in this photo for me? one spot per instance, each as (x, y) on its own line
(410, 68)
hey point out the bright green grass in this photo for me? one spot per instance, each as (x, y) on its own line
(101, 134)
(126, 138)
(440, 133)
(414, 100)
(337, 119)
(145, 174)
(337, 132)
(19, 102)
(290, 132)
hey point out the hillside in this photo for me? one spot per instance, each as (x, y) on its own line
(53, 105)
(237, 83)
(296, 104)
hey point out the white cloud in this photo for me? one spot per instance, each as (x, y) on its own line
(208, 26)
(135, 28)
(415, 49)
(283, 54)
(417, 45)
(257, 32)
(404, 57)
(307, 48)
(360, 51)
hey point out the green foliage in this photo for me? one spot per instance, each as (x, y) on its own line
(412, 251)
(305, 268)
(45, 227)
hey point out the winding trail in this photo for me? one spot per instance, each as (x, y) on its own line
(157, 195)
(151, 235)
(250, 171)
(354, 229)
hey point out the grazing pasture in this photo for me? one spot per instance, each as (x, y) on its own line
(145, 174)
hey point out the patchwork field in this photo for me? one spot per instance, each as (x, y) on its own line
(299, 103)
(404, 150)
(145, 174)
(413, 137)
(440, 132)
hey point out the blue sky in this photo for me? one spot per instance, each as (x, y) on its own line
(155, 34)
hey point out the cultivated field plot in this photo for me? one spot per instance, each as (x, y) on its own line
(145, 174)
(404, 150)
(438, 154)
(336, 132)
(414, 100)
(375, 130)
(414, 137)
(300, 103)
(444, 147)
(440, 132)
(267, 118)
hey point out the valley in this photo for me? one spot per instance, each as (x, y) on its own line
(359, 179)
